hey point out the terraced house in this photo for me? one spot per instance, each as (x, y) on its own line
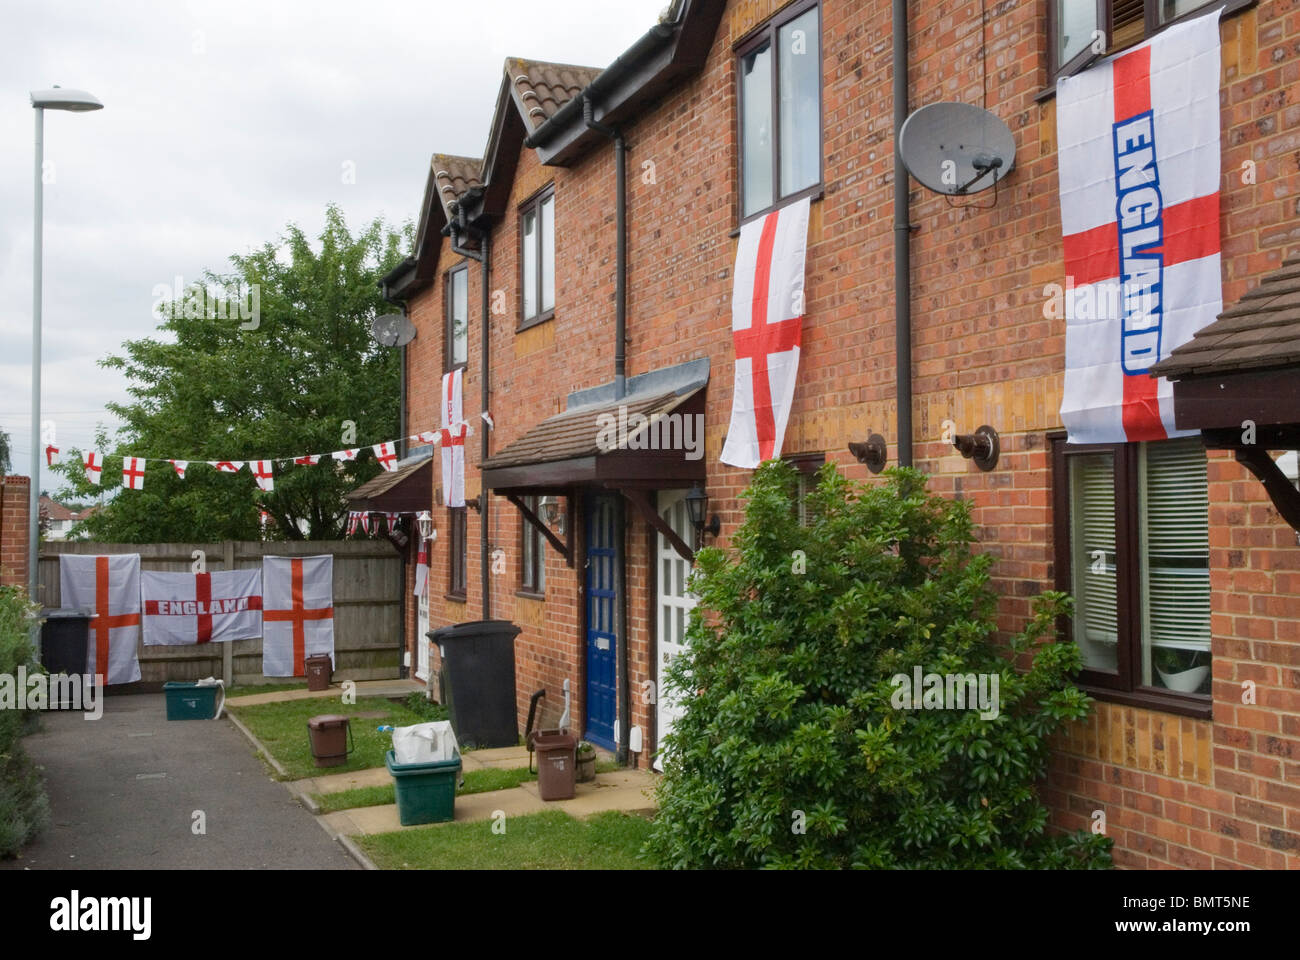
(583, 269)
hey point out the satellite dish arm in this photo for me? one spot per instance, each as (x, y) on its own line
(985, 165)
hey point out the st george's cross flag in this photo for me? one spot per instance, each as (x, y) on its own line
(183, 608)
(454, 430)
(107, 587)
(386, 455)
(263, 473)
(133, 472)
(308, 461)
(767, 307)
(93, 464)
(1139, 182)
(297, 614)
(180, 466)
(226, 466)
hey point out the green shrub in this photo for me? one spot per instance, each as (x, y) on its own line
(428, 711)
(791, 752)
(24, 808)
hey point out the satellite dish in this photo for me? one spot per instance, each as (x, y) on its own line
(956, 148)
(393, 330)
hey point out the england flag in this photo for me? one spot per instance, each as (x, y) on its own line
(454, 430)
(767, 308)
(108, 587)
(184, 608)
(1138, 160)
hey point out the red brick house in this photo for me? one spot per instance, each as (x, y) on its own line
(565, 303)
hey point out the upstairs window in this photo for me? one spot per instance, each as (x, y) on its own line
(780, 86)
(457, 337)
(537, 258)
(1083, 30)
(1132, 534)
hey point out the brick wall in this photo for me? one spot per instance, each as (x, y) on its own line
(14, 526)
(1176, 792)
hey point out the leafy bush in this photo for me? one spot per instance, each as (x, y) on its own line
(427, 710)
(24, 808)
(791, 753)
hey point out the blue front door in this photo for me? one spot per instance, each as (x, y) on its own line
(601, 600)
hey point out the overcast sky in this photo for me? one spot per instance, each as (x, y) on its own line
(222, 122)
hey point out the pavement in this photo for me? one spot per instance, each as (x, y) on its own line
(628, 790)
(365, 688)
(125, 789)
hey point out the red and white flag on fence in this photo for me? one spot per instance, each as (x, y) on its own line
(180, 466)
(93, 463)
(1138, 158)
(454, 430)
(298, 612)
(263, 473)
(133, 472)
(108, 587)
(181, 608)
(767, 308)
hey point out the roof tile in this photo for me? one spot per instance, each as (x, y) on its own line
(543, 88)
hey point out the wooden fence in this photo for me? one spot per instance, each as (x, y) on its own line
(368, 596)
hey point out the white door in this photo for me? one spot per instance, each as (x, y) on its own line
(421, 635)
(674, 605)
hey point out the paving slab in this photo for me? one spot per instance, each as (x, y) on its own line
(124, 790)
(365, 688)
(624, 790)
(338, 782)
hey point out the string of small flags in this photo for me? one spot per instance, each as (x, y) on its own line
(263, 471)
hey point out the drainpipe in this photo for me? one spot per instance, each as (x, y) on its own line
(483, 257)
(620, 216)
(623, 688)
(902, 245)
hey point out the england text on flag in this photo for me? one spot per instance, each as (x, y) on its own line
(767, 307)
(1138, 161)
(183, 608)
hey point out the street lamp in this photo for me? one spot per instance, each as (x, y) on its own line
(77, 101)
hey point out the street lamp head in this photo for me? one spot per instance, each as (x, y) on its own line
(60, 98)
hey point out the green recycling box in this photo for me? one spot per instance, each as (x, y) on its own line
(189, 701)
(426, 792)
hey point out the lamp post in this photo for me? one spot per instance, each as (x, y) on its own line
(77, 101)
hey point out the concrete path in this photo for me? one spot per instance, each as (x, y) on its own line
(503, 758)
(626, 790)
(124, 789)
(365, 688)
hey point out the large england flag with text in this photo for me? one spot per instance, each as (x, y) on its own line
(767, 307)
(107, 587)
(1138, 152)
(454, 431)
(297, 614)
(181, 608)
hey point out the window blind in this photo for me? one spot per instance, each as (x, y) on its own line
(1175, 545)
(1092, 539)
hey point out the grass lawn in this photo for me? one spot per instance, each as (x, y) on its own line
(540, 841)
(476, 781)
(282, 728)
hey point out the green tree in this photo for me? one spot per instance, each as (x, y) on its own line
(6, 463)
(280, 379)
(793, 750)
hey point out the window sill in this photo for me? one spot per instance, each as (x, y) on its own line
(812, 193)
(535, 321)
(1197, 707)
(1230, 8)
(531, 595)
(455, 597)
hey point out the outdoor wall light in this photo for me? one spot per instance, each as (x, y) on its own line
(552, 515)
(475, 504)
(981, 446)
(425, 524)
(873, 453)
(697, 507)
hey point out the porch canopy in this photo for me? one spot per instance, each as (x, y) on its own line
(652, 438)
(408, 489)
(1238, 382)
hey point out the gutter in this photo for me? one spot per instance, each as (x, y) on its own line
(902, 244)
(386, 291)
(650, 42)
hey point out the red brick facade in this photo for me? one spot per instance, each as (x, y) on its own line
(1176, 791)
(15, 523)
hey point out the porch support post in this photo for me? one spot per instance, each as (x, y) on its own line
(563, 549)
(641, 500)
